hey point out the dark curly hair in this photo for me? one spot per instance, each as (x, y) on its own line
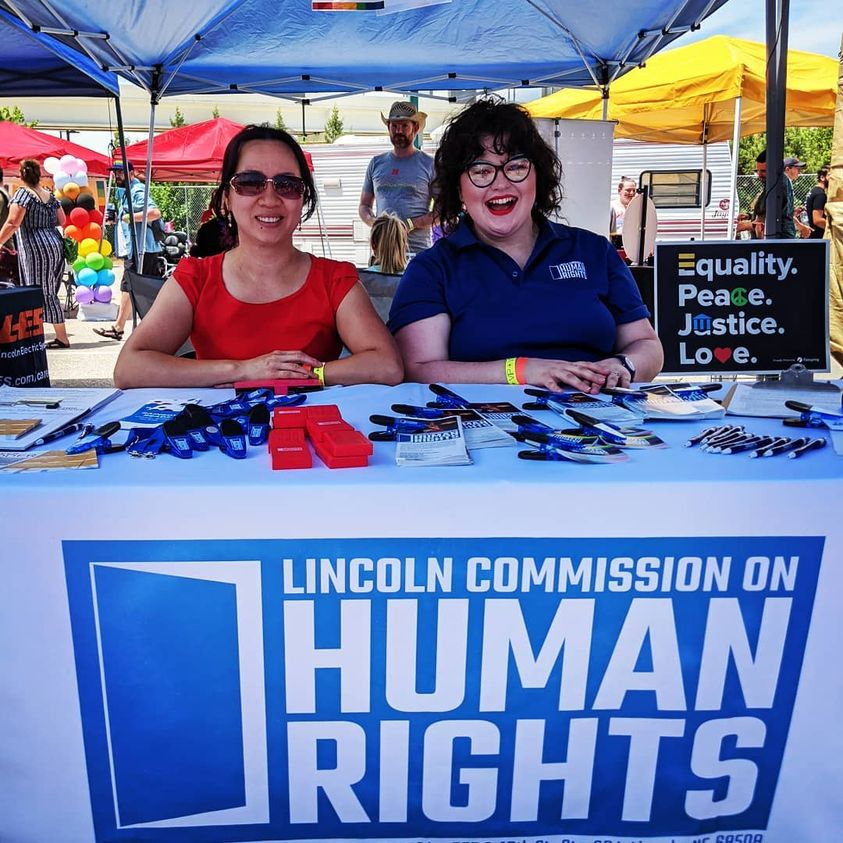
(30, 172)
(513, 132)
(231, 160)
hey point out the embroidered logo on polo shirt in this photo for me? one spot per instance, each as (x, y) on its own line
(571, 269)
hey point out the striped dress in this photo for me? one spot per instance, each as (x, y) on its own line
(41, 250)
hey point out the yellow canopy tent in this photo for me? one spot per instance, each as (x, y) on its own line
(687, 95)
(712, 90)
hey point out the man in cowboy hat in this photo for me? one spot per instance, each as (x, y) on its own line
(399, 181)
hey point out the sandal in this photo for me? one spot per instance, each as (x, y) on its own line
(109, 333)
(57, 343)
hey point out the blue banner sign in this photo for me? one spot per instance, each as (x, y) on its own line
(438, 689)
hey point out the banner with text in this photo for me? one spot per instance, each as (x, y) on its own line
(541, 689)
(744, 307)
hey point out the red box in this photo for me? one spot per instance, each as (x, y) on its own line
(345, 443)
(289, 417)
(322, 412)
(317, 429)
(288, 449)
(331, 461)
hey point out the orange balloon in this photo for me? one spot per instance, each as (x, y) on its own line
(74, 232)
(93, 230)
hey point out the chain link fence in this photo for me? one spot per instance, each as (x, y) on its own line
(749, 187)
(183, 204)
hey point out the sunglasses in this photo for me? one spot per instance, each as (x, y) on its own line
(482, 173)
(253, 184)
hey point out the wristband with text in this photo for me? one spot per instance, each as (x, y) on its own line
(319, 374)
(511, 370)
(410, 224)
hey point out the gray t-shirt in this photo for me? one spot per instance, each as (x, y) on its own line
(403, 187)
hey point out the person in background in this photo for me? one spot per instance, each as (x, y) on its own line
(815, 205)
(262, 310)
(389, 245)
(508, 296)
(626, 193)
(791, 224)
(123, 245)
(399, 181)
(35, 216)
(5, 201)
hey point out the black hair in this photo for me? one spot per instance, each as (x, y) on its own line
(761, 158)
(822, 174)
(232, 158)
(30, 171)
(512, 131)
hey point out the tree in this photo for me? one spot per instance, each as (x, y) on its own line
(279, 121)
(177, 119)
(215, 112)
(15, 115)
(813, 146)
(334, 126)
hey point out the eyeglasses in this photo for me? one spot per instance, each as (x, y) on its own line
(482, 173)
(253, 184)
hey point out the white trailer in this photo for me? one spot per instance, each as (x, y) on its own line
(339, 169)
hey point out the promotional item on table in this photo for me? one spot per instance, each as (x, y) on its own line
(60, 411)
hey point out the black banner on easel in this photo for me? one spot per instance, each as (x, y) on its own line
(754, 307)
(23, 357)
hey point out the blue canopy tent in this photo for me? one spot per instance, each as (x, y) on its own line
(284, 48)
(36, 65)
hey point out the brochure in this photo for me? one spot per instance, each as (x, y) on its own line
(744, 399)
(45, 413)
(677, 404)
(434, 442)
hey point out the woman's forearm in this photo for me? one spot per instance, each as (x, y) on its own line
(648, 357)
(371, 366)
(146, 368)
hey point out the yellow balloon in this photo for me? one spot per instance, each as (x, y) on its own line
(87, 246)
(58, 194)
(71, 190)
(105, 248)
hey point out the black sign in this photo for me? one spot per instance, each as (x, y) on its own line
(753, 307)
(23, 357)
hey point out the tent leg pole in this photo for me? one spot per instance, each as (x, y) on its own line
(777, 31)
(704, 173)
(126, 193)
(150, 137)
(734, 204)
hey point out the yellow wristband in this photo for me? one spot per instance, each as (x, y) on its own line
(410, 224)
(509, 368)
(319, 374)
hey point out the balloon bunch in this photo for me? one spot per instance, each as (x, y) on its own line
(93, 267)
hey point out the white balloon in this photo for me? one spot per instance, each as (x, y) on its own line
(67, 160)
(61, 179)
(51, 164)
(80, 166)
(81, 178)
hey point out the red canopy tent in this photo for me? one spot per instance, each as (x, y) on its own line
(188, 153)
(18, 142)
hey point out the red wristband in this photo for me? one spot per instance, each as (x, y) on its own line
(520, 366)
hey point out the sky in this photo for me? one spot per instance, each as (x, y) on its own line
(815, 26)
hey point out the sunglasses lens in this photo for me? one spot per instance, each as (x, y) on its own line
(288, 187)
(247, 184)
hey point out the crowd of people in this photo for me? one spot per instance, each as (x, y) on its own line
(506, 294)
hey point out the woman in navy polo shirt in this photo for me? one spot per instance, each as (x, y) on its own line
(507, 295)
